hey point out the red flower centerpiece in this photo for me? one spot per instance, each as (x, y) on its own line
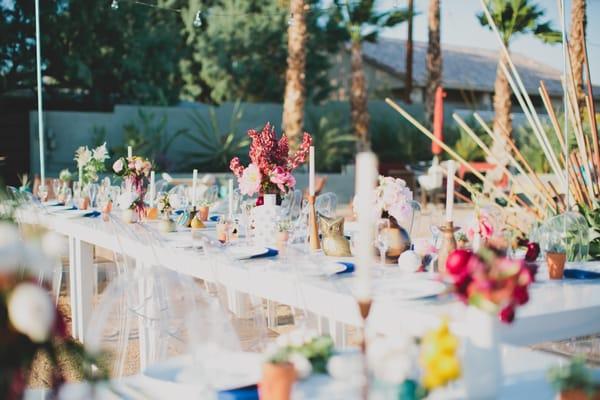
(135, 171)
(270, 169)
(490, 281)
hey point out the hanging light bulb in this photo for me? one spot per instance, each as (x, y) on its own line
(291, 20)
(198, 19)
(114, 5)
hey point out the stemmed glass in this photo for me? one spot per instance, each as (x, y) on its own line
(93, 192)
(382, 239)
(43, 193)
(68, 197)
(56, 187)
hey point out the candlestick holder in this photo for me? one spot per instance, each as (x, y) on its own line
(364, 306)
(313, 228)
(448, 244)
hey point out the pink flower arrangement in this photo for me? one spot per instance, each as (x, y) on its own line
(270, 168)
(491, 281)
(484, 226)
(394, 198)
(135, 171)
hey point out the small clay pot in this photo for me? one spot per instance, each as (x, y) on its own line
(281, 239)
(152, 213)
(203, 213)
(277, 381)
(556, 264)
(578, 394)
(84, 203)
(222, 232)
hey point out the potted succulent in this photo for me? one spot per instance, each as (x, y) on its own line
(462, 241)
(574, 381)
(283, 234)
(295, 355)
(556, 258)
(164, 208)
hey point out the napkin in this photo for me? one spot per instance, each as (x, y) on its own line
(72, 208)
(214, 218)
(92, 214)
(573, 273)
(349, 267)
(269, 253)
(244, 393)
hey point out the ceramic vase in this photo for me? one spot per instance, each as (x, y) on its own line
(399, 241)
(277, 381)
(482, 364)
(265, 217)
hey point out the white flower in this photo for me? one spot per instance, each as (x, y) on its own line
(250, 180)
(301, 365)
(118, 165)
(393, 360)
(100, 153)
(9, 234)
(83, 155)
(31, 312)
(124, 200)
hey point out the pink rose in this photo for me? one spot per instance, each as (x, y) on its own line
(118, 166)
(250, 180)
(282, 178)
(139, 164)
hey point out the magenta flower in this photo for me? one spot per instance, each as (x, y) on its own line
(283, 179)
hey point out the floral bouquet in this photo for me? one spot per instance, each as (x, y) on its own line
(270, 169)
(393, 198)
(30, 323)
(91, 162)
(490, 281)
(135, 171)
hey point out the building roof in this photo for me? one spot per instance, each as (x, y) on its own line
(464, 68)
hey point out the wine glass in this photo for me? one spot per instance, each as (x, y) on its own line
(56, 183)
(68, 197)
(382, 239)
(43, 193)
(93, 192)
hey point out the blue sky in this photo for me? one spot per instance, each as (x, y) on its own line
(460, 27)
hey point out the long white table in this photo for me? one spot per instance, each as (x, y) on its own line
(557, 309)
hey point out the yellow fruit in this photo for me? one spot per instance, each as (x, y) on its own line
(197, 224)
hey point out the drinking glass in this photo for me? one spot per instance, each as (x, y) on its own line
(43, 193)
(68, 197)
(93, 192)
(56, 184)
(382, 239)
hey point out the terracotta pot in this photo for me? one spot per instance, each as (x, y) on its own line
(277, 381)
(222, 234)
(152, 213)
(577, 394)
(84, 203)
(203, 213)
(281, 240)
(556, 264)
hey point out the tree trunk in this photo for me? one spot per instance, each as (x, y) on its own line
(502, 102)
(409, 54)
(293, 103)
(358, 98)
(578, 24)
(434, 60)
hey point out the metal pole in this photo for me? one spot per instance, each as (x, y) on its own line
(38, 62)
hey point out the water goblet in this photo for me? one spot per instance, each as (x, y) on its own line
(43, 193)
(93, 192)
(382, 239)
(56, 184)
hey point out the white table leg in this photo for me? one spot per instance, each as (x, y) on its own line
(337, 330)
(81, 260)
(271, 314)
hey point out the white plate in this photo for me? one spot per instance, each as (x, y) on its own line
(228, 370)
(245, 252)
(409, 289)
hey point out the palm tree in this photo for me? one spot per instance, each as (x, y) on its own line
(409, 53)
(513, 18)
(362, 23)
(293, 102)
(434, 59)
(576, 39)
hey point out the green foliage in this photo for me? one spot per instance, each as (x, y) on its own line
(317, 351)
(215, 146)
(149, 138)
(331, 135)
(515, 17)
(362, 22)
(574, 376)
(243, 51)
(466, 147)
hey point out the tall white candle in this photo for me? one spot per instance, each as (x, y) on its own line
(230, 192)
(81, 176)
(451, 170)
(366, 178)
(129, 152)
(194, 184)
(152, 188)
(311, 171)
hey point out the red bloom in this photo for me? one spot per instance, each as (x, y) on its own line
(521, 295)
(507, 314)
(457, 261)
(236, 167)
(533, 251)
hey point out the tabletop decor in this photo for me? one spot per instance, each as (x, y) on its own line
(30, 323)
(90, 163)
(294, 355)
(556, 258)
(574, 381)
(447, 228)
(164, 208)
(269, 175)
(135, 171)
(333, 241)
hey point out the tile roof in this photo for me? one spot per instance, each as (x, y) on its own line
(463, 67)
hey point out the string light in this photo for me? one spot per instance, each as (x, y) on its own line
(114, 5)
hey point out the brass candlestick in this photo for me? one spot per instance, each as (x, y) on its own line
(313, 228)
(364, 307)
(448, 244)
